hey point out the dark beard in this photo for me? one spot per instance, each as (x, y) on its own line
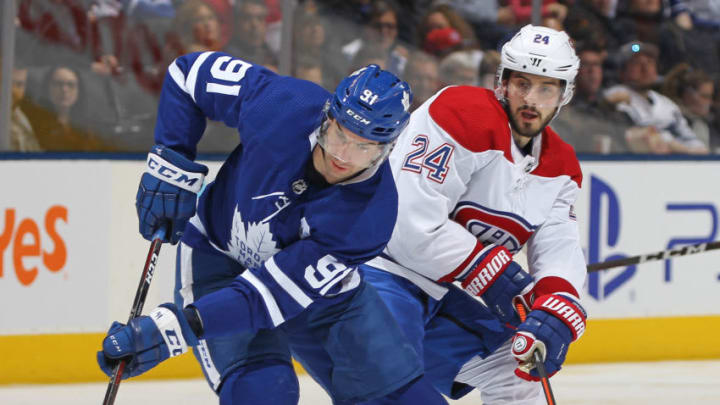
(521, 131)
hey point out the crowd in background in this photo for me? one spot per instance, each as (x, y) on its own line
(87, 73)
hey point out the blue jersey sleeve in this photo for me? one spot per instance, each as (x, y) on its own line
(204, 85)
(285, 284)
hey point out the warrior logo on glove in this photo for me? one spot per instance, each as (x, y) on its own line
(519, 344)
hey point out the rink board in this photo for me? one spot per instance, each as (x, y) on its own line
(72, 256)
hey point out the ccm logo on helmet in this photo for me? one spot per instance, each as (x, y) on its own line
(357, 117)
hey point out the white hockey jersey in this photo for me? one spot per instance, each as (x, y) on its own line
(463, 183)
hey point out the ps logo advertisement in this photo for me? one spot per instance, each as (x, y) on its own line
(625, 217)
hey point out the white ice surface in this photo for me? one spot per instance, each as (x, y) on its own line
(685, 383)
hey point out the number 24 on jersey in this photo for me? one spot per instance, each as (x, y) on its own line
(435, 162)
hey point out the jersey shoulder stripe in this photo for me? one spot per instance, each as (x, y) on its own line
(474, 118)
(558, 158)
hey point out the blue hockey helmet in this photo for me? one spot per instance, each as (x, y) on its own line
(372, 103)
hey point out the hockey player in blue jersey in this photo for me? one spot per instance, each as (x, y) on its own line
(267, 264)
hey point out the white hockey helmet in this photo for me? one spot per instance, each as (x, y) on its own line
(540, 51)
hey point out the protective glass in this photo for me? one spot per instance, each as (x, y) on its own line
(541, 95)
(338, 144)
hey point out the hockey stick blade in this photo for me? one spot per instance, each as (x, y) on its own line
(544, 379)
(662, 255)
(138, 303)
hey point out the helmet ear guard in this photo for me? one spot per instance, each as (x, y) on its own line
(540, 51)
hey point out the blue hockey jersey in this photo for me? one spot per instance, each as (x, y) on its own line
(300, 238)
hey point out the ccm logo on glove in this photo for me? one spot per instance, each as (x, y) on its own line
(168, 172)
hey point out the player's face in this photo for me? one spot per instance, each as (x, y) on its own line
(532, 101)
(342, 154)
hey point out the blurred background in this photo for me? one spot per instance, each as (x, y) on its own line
(84, 75)
(79, 87)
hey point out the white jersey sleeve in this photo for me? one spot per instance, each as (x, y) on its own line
(554, 251)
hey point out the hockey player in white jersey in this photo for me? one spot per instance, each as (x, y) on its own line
(480, 174)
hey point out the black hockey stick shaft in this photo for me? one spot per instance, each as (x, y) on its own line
(662, 255)
(138, 303)
(537, 359)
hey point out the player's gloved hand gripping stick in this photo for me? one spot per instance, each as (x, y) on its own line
(138, 303)
(537, 356)
(165, 202)
(168, 192)
(540, 344)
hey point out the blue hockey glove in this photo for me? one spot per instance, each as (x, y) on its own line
(146, 341)
(497, 279)
(554, 322)
(167, 193)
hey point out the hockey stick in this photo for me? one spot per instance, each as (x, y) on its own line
(544, 379)
(138, 302)
(662, 255)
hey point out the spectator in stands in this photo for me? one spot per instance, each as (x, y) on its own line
(490, 20)
(658, 124)
(442, 31)
(309, 66)
(58, 29)
(459, 68)
(693, 90)
(248, 39)
(593, 21)
(347, 18)
(422, 74)
(381, 31)
(680, 40)
(311, 33)
(273, 24)
(22, 136)
(715, 111)
(703, 14)
(61, 121)
(195, 28)
(643, 18)
(137, 8)
(590, 124)
(553, 21)
(488, 68)
(198, 27)
(312, 37)
(369, 54)
(522, 9)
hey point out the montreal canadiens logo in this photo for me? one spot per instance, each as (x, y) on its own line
(520, 344)
(494, 226)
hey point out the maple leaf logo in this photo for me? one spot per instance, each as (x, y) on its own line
(250, 245)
